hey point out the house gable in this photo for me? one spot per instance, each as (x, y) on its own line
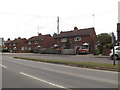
(77, 37)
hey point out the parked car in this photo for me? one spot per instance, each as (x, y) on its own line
(82, 50)
(117, 52)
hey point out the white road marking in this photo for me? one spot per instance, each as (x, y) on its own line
(3, 66)
(59, 86)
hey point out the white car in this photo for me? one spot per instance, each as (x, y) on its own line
(117, 52)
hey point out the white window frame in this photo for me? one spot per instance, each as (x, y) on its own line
(36, 42)
(22, 48)
(29, 48)
(77, 38)
(14, 44)
(29, 43)
(63, 39)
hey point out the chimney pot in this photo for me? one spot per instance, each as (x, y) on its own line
(75, 28)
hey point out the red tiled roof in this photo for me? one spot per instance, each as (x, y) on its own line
(39, 37)
(80, 32)
(17, 40)
(118, 27)
(8, 41)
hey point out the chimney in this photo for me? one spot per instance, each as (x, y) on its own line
(8, 39)
(75, 28)
(19, 37)
(39, 34)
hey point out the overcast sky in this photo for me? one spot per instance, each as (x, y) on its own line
(25, 18)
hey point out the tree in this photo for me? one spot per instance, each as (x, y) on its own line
(55, 34)
(104, 39)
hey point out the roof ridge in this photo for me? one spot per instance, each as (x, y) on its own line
(82, 32)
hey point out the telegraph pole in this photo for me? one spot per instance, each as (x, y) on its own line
(113, 41)
(38, 29)
(93, 20)
(57, 25)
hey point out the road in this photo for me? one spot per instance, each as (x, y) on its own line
(78, 58)
(17, 73)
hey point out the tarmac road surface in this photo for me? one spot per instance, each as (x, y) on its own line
(17, 73)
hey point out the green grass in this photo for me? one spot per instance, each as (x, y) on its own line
(100, 66)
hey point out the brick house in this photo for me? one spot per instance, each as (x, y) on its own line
(40, 42)
(77, 38)
(118, 33)
(22, 45)
(8, 44)
(17, 45)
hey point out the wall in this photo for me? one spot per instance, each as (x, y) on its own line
(68, 51)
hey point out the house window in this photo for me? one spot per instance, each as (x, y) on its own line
(77, 38)
(29, 43)
(29, 48)
(23, 48)
(36, 42)
(14, 44)
(64, 40)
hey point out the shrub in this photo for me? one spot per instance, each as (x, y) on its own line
(97, 52)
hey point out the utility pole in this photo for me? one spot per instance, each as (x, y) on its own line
(38, 29)
(113, 41)
(119, 12)
(57, 25)
(93, 20)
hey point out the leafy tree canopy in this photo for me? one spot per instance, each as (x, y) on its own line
(104, 38)
(105, 41)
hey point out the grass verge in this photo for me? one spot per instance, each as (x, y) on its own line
(100, 66)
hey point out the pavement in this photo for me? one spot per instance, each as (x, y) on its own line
(17, 73)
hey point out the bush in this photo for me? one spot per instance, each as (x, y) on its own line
(5, 50)
(108, 46)
(97, 52)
